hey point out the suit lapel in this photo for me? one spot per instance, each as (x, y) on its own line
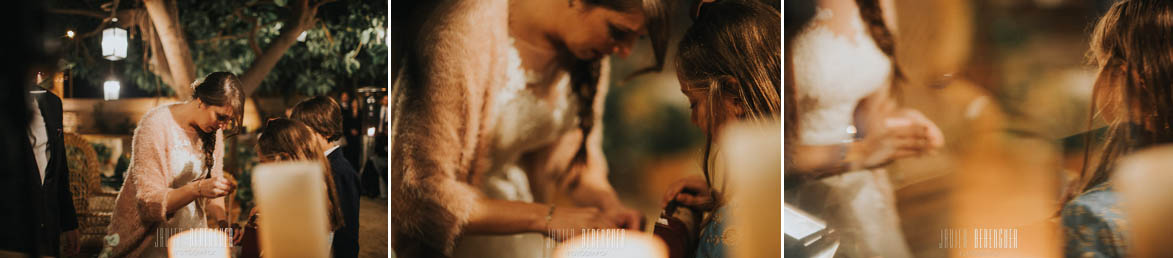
(47, 104)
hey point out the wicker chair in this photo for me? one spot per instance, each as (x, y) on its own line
(93, 206)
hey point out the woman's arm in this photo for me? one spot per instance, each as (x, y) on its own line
(155, 200)
(507, 217)
(510, 217)
(814, 161)
(438, 111)
(888, 133)
(179, 197)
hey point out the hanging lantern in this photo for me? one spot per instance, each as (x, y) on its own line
(111, 88)
(114, 44)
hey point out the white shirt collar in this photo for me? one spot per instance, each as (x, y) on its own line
(331, 150)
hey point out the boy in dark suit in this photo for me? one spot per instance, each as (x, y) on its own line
(324, 116)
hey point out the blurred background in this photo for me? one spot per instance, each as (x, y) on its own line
(1007, 81)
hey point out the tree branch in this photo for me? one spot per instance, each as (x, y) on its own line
(94, 14)
(328, 37)
(114, 8)
(174, 46)
(302, 18)
(252, 33)
(219, 38)
(125, 15)
(320, 3)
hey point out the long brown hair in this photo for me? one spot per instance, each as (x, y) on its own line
(1132, 45)
(873, 17)
(287, 140)
(733, 49)
(219, 89)
(322, 114)
(584, 74)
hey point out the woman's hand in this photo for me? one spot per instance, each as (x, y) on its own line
(691, 191)
(568, 222)
(905, 133)
(625, 218)
(214, 187)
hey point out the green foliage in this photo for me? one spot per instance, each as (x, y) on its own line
(344, 49)
(349, 52)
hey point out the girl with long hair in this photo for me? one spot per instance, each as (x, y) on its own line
(843, 124)
(289, 140)
(496, 113)
(729, 67)
(1132, 45)
(176, 180)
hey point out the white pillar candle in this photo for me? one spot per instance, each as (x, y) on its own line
(200, 242)
(291, 202)
(752, 155)
(1142, 180)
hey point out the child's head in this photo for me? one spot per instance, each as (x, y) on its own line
(322, 114)
(729, 63)
(288, 140)
(1132, 45)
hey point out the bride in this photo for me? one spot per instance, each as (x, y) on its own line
(497, 112)
(176, 177)
(850, 126)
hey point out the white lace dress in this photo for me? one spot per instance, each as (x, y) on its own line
(832, 74)
(164, 157)
(525, 122)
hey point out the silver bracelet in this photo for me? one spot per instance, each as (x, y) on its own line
(549, 217)
(199, 190)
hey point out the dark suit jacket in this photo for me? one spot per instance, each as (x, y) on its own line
(20, 217)
(58, 213)
(346, 183)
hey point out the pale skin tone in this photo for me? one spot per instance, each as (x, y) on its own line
(195, 115)
(545, 30)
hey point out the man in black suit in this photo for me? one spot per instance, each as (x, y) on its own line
(47, 147)
(24, 206)
(323, 115)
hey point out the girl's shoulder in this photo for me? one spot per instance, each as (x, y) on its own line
(1094, 223)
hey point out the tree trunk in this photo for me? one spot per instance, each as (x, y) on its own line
(302, 18)
(175, 47)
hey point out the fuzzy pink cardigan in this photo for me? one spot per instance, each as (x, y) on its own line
(442, 122)
(140, 207)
